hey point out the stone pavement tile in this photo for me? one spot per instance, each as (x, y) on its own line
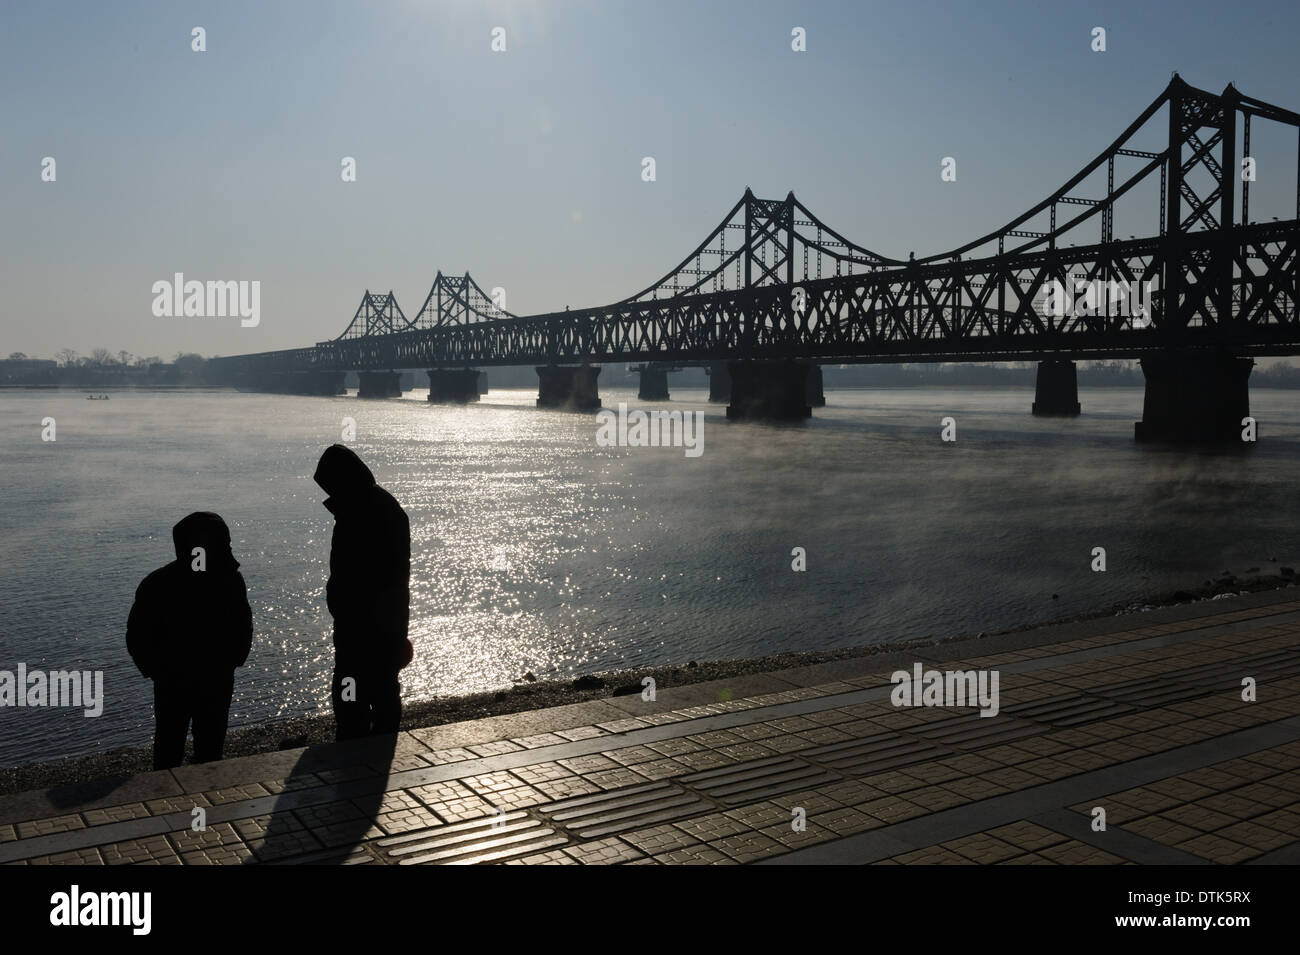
(746, 847)
(809, 800)
(825, 735)
(699, 854)
(88, 856)
(276, 836)
(153, 850)
(625, 725)
(462, 809)
(932, 855)
(495, 748)
(8, 833)
(538, 740)
(812, 834)
(661, 769)
(614, 778)
(1283, 820)
(394, 800)
(609, 851)
(218, 834)
(983, 848)
(1257, 836)
(95, 794)
(406, 820)
(976, 787)
(488, 783)
(894, 781)
(760, 815)
(553, 857)
(937, 798)
(1027, 836)
(659, 839)
(580, 732)
(186, 802)
(713, 826)
(1230, 804)
(541, 772)
(1183, 790)
(676, 747)
(1073, 852)
(347, 774)
(431, 793)
(1218, 849)
(709, 759)
(557, 789)
(219, 797)
(517, 797)
(470, 733)
(441, 757)
(891, 809)
(237, 771)
(936, 772)
(1162, 830)
(850, 792)
(786, 743)
(714, 739)
(1198, 817)
(45, 827)
(588, 764)
(301, 781)
(235, 853)
(99, 817)
(629, 755)
(328, 814)
(337, 835)
(847, 821)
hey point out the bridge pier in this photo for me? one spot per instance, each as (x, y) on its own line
(1056, 391)
(380, 384)
(1194, 398)
(719, 382)
(816, 394)
(777, 390)
(654, 383)
(570, 387)
(453, 385)
(481, 383)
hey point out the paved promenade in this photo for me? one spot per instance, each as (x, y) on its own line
(1140, 715)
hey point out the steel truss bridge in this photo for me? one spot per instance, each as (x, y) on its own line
(773, 281)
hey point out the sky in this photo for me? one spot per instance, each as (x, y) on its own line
(524, 166)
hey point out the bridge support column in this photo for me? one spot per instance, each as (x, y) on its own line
(654, 383)
(453, 385)
(1194, 398)
(570, 387)
(481, 383)
(776, 390)
(816, 394)
(380, 384)
(719, 382)
(1056, 392)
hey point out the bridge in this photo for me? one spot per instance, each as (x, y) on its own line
(773, 290)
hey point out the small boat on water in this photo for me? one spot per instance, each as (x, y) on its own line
(96, 397)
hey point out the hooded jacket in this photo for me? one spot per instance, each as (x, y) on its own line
(192, 624)
(368, 592)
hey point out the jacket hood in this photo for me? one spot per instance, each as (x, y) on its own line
(207, 530)
(341, 474)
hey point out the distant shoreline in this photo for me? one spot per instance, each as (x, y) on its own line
(313, 730)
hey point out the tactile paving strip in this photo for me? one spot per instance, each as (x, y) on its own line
(489, 839)
(621, 810)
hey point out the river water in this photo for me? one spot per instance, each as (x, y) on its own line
(535, 550)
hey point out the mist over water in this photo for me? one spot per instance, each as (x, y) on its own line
(533, 549)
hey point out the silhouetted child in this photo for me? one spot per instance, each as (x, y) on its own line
(368, 595)
(189, 628)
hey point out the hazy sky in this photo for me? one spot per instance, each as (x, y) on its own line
(524, 166)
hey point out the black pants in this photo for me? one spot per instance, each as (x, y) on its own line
(371, 706)
(177, 703)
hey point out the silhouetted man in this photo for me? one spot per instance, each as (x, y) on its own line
(368, 594)
(189, 628)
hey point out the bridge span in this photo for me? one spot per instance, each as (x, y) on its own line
(773, 290)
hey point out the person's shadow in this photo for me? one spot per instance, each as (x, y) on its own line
(328, 806)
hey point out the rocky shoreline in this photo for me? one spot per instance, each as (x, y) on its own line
(531, 695)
